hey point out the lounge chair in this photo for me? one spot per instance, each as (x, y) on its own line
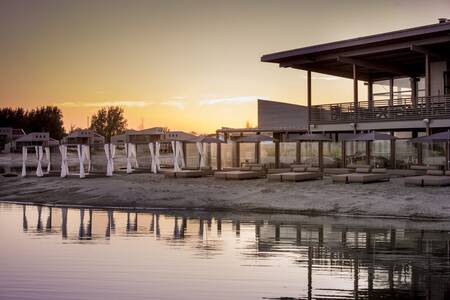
(297, 173)
(431, 178)
(247, 172)
(184, 174)
(362, 175)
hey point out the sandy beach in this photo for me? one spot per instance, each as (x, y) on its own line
(389, 199)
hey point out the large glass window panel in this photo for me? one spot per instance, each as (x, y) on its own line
(192, 156)
(247, 153)
(267, 151)
(332, 154)
(380, 154)
(406, 154)
(355, 152)
(309, 153)
(227, 155)
(433, 153)
(288, 153)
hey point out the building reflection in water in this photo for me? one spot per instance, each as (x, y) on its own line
(383, 263)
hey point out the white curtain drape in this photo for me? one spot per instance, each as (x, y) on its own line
(64, 163)
(47, 157)
(202, 151)
(24, 161)
(81, 160)
(110, 151)
(152, 157)
(39, 155)
(181, 154)
(130, 151)
(87, 157)
(176, 166)
(157, 154)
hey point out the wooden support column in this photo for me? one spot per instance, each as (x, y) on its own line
(393, 154)
(370, 93)
(219, 154)
(298, 152)
(277, 154)
(368, 144)
(321, 156)
(355, 91)
(237, 157)
(343, 154)
(447, 155)
(427, 81)
(258, 152)
(309, 97)
(184, 152)
(391, 91)
(414, 94)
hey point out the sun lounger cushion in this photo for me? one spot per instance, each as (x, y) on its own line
(447, 173)
(362, 170)
(243, 175)
(274, 177)
(299, 169)
(423, 167)
(435, 172)
(189, 174)
(299, 176)
(246, 168)
(366, 177)
(428, 180)
(257, 168)
(220, 174)
(379, 170)
(313, 169)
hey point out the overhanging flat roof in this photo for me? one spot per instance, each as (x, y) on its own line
(380, 56)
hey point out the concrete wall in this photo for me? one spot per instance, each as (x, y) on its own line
(273, 114)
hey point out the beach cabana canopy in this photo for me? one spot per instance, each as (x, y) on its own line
(311, 137)
(208, 140)
(440, 136)
(255, 138)
(371, 136)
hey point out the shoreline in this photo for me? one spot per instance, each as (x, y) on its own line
(313, 198)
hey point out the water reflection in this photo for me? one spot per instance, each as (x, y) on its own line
(340, 261)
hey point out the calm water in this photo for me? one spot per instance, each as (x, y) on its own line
(60, 253)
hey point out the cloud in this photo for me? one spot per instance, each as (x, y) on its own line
(122, 103)
(173, 103)
(230, 100)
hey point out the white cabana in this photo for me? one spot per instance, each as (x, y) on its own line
(64, 162)
(24, 161)
(178, 156)
(87, 157)
(39, 155)
(110, 151)
(154, 155)
(81, 156)
(202, 148)
(47, 156)
(130, 151)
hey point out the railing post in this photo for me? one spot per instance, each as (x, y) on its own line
(427, 82)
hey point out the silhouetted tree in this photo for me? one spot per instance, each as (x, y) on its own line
(45, 119)
(109, 121)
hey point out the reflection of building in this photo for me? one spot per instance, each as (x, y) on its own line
(7, 136)
(380, 262)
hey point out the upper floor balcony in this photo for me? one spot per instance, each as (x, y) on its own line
(400, 109)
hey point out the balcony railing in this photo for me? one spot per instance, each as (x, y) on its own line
(418, 108)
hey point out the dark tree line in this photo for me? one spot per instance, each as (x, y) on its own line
(41, 119)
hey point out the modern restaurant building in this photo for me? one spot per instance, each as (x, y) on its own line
(407, 81)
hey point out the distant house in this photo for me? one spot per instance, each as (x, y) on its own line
(140, 137)
(8, 135)
(84, 137)
(34, 139)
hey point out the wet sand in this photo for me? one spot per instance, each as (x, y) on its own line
(388, 199)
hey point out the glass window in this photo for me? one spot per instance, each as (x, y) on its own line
(247, 153)
(288, 153)
(267, 150)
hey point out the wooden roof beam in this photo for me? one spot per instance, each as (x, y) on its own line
(296, 62)
(423, 50)
(374, 65)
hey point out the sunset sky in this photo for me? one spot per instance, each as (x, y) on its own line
(187, 65)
